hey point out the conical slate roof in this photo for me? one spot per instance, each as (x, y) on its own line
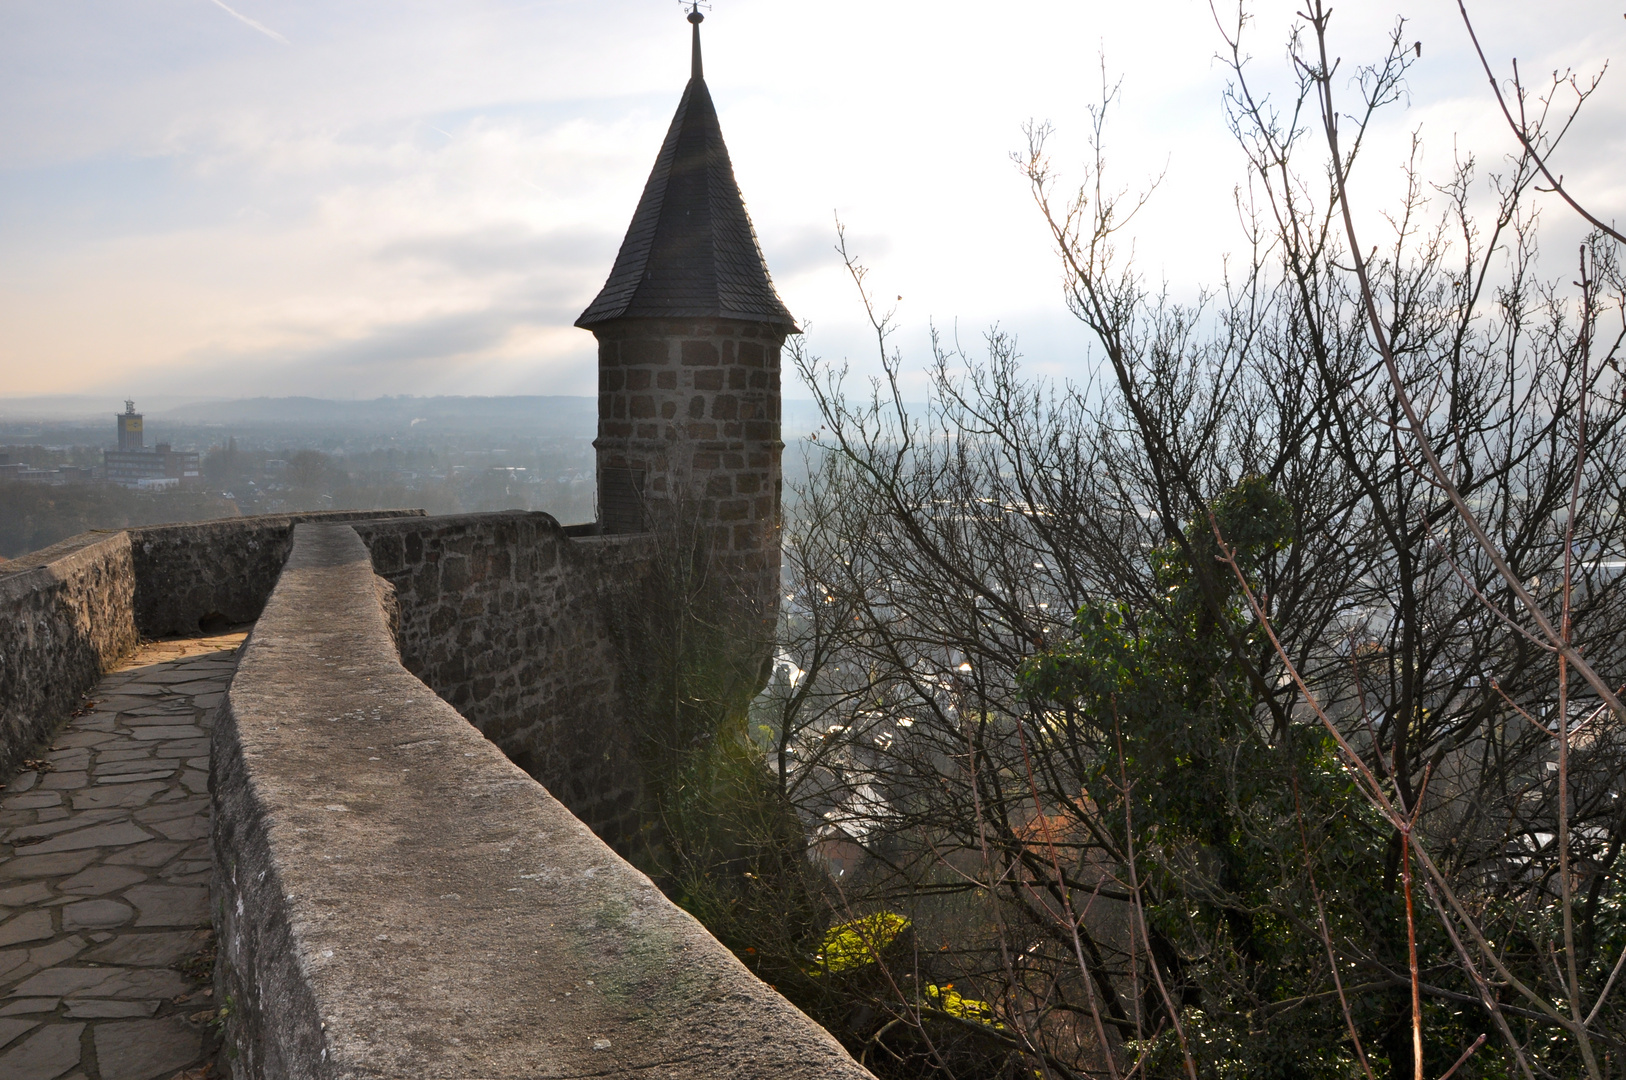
(690, 251)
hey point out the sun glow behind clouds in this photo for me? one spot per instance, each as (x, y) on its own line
(421, 199)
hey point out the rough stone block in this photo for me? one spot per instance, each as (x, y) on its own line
(145, 1049)
(645, 351)
(95, 915)
(700, 353)
(32, 925)
(47, 1053)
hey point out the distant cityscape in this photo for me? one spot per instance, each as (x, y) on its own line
(219, 459)
(282, 455)
(163, 468)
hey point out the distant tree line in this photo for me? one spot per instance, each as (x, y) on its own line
(35, 516)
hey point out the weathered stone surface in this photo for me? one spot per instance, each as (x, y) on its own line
(101, 879)
(29, 926)
(186, 808)
(10, 1029)
(18, 895)
(170, 905)
(183, 748)
(108, 769)
(108, 982)
(124, 982)
(145, 1051)
(14, 964)
(44, 956)
(690, 410)
(117, 834)
(502, 899)
(44, 1055)
(158, 949)
(185, 573)
(66, 613)
(64, 823)
(34, 801)
(131, 795)
(496, 898)
(63, 781)
(99, 1009)
(37, 866)
(95, 914)
(69, 611)
(171, 731)
(505, 616)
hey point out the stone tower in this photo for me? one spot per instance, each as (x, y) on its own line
(689, 334)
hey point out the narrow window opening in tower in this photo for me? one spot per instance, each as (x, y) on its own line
(622, 500)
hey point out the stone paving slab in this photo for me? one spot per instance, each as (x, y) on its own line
(104, 879)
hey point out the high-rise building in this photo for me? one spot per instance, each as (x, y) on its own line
(130, 434)
(159, 468)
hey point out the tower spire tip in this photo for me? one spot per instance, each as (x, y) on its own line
(695, 19)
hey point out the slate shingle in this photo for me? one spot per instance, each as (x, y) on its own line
(690, 251)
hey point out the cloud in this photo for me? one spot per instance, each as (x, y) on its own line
(421, 198)
(812, 247)
(261, 27)
(512, 345)
(508, 248)
(441, 338)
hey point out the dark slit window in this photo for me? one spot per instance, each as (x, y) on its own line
(621, 501)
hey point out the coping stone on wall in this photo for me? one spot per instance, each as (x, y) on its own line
(398, 899)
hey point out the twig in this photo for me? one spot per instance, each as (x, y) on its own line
(1524, 139)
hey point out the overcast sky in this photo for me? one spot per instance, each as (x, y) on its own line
(364, 197)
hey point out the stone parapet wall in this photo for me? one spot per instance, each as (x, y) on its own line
(66, 615)
(69, 611)
(398, 899)
(507, 618)
(217, 572)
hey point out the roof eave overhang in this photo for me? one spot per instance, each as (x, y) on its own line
(784, 324)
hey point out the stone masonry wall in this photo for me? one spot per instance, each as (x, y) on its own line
(506, 618)
(694, 406)
(71, 610)
(217, 572)
(66, 614)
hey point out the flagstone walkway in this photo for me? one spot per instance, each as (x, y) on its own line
(105, 946)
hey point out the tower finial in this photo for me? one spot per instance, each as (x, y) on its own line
(695, 19)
